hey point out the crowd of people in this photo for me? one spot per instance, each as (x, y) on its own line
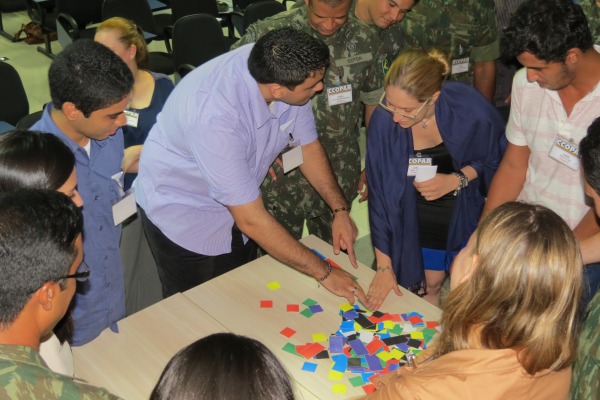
(496, 197)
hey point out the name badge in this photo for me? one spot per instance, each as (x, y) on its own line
(124, 207)
(339, 95)
(132, 118)
(291, 156)
(415, 162)
(460, 65)
(565, 152)
(364, 57)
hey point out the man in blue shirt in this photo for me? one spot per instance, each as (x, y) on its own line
(90, 87)
(209, 151)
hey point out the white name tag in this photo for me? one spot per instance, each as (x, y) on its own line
(565, 152)
(124, 207)
(132, 118)
(292, 157)
(460, 65)
(339, 95)
(414, 163)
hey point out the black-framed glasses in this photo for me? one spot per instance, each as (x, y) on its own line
(79, 276)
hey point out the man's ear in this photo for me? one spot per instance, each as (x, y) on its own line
(71, 111)
(573, 56)
(45, 295)
(276, 90)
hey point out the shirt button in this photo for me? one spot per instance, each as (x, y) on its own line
(96, 197)
(105, 258)
(101, 228)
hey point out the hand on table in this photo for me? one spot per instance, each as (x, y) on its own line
(341, 283)
(437, 186)
(382, 283)
(344, 234)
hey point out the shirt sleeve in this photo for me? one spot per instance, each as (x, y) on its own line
(514, 131)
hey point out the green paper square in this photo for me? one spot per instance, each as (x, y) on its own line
(309, 302)
(356, 381)
(307, 313)
(290, 348)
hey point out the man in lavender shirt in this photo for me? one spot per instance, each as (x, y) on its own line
(209, 151)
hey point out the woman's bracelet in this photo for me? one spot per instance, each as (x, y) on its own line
(329, 267)
(381, 268)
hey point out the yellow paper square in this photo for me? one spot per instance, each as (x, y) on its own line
(338, 388)
(388, 324)
(384, 355)
(273, 285)
(417, 335)
(396, 354)
(335, 375)
(319, 337)
(346, 307)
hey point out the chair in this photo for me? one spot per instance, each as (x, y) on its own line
(15, 106)
(10, 6)
(256, 11)
(196, 39)
(182, 8)
(139, 12)
(43, 14)
(74, 17)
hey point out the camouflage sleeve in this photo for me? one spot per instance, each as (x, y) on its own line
(585, 383)
(251, 36)
(373, 85)
(485, 45)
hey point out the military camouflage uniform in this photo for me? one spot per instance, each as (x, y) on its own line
(592, 12)
(460, 28)
(353, 51)
(585, 383)
(23, 375)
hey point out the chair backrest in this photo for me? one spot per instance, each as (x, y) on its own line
(138, 11)
(261, 10)
(14, 104)
(12, 5)
(182, 8)
(84, 12)
(197, 38)
(241, 5)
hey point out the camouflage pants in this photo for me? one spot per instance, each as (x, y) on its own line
(291, 199)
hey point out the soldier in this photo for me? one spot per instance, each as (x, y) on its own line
(591, 9)
(352, 78)
(466, 31)
(585, 384)
(40, 237)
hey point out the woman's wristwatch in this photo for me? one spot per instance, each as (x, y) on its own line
(463, 181)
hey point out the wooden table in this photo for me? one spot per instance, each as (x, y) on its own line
(233, 299)
(130, 362)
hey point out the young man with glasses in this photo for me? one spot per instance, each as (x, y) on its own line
(41, 242)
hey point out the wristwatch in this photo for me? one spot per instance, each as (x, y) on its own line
(463, 181)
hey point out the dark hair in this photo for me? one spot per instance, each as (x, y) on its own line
(547, 29)
(287, 57)
(89, 75)
(224, 366)
(33, 160)
(589, 150)
(38, 229)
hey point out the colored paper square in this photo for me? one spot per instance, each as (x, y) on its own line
(347, 326)
(336, 344)
(335, 375)
(266, 304)
(293, 308)
(315, 308)
(307, 313)
(358, 347)
(308, 366)
(356, 381)
(309, 302)
(338, 388)
(290, 348)
(319, 337)
(369, 388)
(417, 335)
(374, 363)
(288, 332)
(346, 307)
(273, 285)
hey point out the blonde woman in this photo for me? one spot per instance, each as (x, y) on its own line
(512, 317)
(149, 94)
(425, 124)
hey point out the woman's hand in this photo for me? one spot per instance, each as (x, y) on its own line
(437, 186)
(382, 283)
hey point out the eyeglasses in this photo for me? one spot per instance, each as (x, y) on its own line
(79, 276)
(383, 104)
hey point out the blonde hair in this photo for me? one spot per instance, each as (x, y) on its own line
(129, 34)
(524, 293)
(418, 73)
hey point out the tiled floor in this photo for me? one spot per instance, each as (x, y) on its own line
(33, 69)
